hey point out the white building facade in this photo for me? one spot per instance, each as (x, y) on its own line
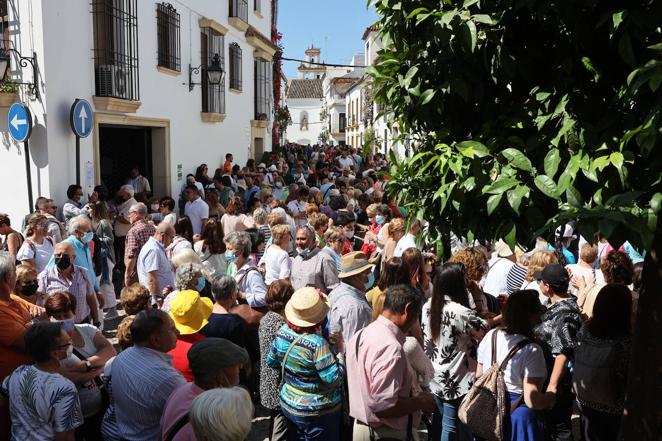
(133, 60)
(305, 101)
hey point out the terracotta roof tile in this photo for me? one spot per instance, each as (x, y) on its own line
(303, 89)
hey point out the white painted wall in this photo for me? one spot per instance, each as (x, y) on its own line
(61, 33)
(297, 107)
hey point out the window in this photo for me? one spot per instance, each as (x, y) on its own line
(116, 48)
(239, 9)
(342, 122)
(213, 95)
(235, 66)
(257, 6)
(4, 24)
(303, 124)
(262, 89)
(167, 24)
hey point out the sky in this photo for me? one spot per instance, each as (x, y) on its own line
(335, 26)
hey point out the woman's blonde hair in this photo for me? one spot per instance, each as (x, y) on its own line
(23, 271)
(278, 233)
(539, 260)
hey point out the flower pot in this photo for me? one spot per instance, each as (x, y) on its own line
(7, 99)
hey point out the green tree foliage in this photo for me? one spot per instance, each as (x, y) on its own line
(526, 113)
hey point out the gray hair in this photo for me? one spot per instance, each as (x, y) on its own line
(7, 264)
(241, 241)
(260, 216)
(128, 188)
(187, 255)
(222, 414)
(222, 287)
(139, 208)
(76, 222)
(187, 274)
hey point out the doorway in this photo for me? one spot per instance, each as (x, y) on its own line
(120, 149)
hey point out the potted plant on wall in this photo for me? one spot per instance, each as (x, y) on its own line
(8, 90)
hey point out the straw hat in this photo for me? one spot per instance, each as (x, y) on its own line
(307, 307)
(354, 263)
(502, 249)
(190, 312)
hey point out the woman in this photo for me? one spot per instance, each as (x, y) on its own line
(225, 192)
(190, 313)
(201, 175)
(188, 276)
(91, 351)
(37, 248)
(105, 255)
(222, 414)
(277, 263)
(311, 391)
(413, 266)
(475, 261)
(211, 248)
(451, 332)
(539, 260)
(260, 216)
(320, 223)
(525, 372)
(392, 274)
(27, 285)
(166, 208)
(12, 239)
(396, 229)
(601, 363)
(216, 210)
(222, 322)
(278, 294)
(335, 240)
(183, 237)
(234, 219)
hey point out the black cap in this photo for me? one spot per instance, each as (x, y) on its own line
(553, 274)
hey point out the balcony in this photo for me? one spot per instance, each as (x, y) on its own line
(239, 14)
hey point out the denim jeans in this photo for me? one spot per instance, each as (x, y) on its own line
(451, 427)
(313, 428)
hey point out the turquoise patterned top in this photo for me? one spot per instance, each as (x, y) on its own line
(313, 377)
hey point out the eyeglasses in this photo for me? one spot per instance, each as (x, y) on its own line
(66, 345)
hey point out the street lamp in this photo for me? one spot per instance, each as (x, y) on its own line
(23, 62)
(215, 73)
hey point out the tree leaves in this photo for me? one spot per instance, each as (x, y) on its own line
(473, 148)
(469, 35)
(551, 162)
(493, 202)
(517, 159)
(546, 185)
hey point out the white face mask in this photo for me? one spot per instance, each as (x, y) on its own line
(349, 234)
(155, 207)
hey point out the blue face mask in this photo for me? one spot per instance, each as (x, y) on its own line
(67, 325)
(87, 237)
(201, 284)
(379, 219)
(371, 280)
(303, 252)
(230, 257)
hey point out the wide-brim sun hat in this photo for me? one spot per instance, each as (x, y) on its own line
(354, 263)
(307, 307)
(190, 312)
(502, 249)
(273, 168)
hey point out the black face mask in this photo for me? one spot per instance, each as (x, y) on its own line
(119, 200)
(63, 262)
(29, 289)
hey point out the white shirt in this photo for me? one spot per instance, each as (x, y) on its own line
(591, 277)
(40, 253)
(346, 162)
(496, 282)
(170, 218)
(140, 184)
(528, 362)
(197, 211)
(407, 241)
(277, 265)
(297, 207)
(121, 229)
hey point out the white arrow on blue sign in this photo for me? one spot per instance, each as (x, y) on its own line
(80, 118)
(19, 121)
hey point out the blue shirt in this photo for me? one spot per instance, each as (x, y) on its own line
(569, 257)
(142, 379)
(83, 258)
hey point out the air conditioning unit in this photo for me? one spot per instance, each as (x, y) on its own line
(111, 80)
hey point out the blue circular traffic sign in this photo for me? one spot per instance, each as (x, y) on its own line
(80, 118)
(19, 121)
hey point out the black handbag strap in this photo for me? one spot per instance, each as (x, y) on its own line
(177, 427)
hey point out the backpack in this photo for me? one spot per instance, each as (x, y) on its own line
(483, 409)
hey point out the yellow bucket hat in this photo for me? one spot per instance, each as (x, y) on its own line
(190, 312)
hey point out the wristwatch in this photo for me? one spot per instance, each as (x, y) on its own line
(88, 365)
(97, 324)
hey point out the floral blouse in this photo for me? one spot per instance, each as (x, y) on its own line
(453, 353)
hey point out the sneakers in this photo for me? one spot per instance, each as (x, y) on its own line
(111, 313)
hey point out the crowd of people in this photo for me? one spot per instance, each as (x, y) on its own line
(297, 285)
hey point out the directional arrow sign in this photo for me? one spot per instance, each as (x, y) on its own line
(19, 122)
(80, 118)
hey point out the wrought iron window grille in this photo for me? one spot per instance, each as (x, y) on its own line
(235, 67)
(239, 9)
(168, 36)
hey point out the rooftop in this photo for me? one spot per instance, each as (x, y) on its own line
(304, 89)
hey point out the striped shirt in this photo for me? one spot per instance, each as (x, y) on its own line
(80, 286)
(143, 379)
(515, 278)
(313, 377)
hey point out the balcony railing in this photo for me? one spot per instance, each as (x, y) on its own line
(239, 9)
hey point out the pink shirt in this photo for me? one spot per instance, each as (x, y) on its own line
(380, 374)
(179, 404)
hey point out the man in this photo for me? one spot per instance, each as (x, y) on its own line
(227, 165)
(502, 261)
(154, 269)
(345, 161)
(378, 372)
(136, 238)
(215, 362)
(55, 229)
(408, 240)
(347, 221)
(124, 202)
(44, 404)
(298, 206)
(564, 235)
(66, 276)
(143, 377)
(140, 184)
(557, 334)
(73, 206)
(312, 267)
(350, 311)
(27, 217)
(196, 209)
(16, 315)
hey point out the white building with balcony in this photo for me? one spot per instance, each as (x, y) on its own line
(143, 65)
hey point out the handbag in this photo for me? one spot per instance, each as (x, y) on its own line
(105, 397)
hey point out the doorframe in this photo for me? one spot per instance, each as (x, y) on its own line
(102, 118)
